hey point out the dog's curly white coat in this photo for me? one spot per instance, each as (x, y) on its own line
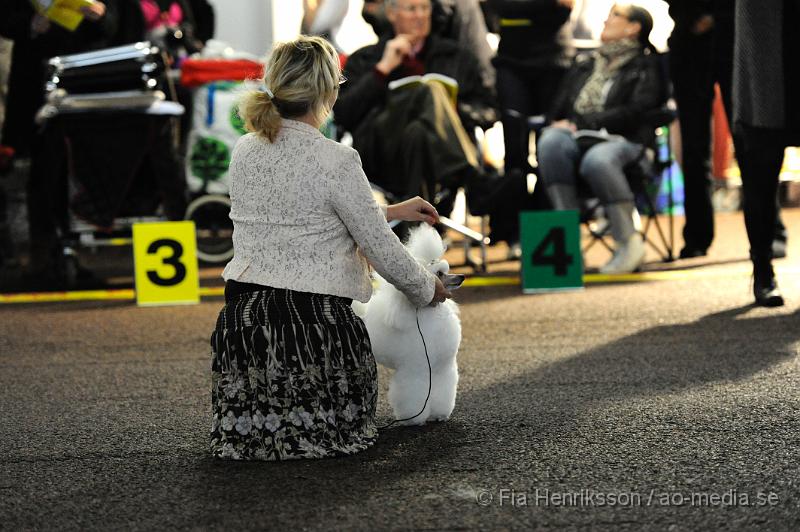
(391, 321)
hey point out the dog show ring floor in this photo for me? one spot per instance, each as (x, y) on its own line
(658, 401)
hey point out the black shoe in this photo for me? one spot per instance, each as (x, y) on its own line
(690, 252)
(765, 289)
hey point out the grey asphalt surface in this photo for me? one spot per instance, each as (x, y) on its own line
(663, 405)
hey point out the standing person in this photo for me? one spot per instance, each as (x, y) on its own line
(700, 55)
(7, 251)
(5, 66)
(532, 57)
(170, 25)
(374, 14)
(463, 22)
(293, 375)
(36, 39)
(324, 18)
(766, 120)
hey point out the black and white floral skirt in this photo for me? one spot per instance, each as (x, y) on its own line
(293, 376)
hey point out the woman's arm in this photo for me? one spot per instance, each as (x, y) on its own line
(353, 202)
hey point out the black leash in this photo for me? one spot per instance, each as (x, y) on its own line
(430, 377)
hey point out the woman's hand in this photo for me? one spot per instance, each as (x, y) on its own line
(440, 294)
(412, 210)
(94, 11)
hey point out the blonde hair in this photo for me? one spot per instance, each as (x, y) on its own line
(302, 75)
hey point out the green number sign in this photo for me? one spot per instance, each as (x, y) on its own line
(551, 251)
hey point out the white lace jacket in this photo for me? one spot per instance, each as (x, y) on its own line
(303, 213)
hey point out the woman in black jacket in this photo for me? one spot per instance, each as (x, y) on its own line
(608, 92)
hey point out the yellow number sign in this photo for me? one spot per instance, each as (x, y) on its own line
(165, 263)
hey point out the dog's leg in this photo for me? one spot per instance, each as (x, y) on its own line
(407, 393)
(443, 391)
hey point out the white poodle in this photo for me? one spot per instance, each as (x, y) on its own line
(396, 330)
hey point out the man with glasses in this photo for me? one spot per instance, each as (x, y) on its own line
(410, 140)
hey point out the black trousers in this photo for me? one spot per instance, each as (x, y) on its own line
(696, 64)
(763, 151)
(523, 93)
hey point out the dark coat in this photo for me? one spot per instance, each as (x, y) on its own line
(28, 61)
(686, 13)
(766, 82)
(364, 94)
(463, 22)
(533, 34)
(637, 90)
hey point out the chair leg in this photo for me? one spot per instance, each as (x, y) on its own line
(484, 242)
(667, 253)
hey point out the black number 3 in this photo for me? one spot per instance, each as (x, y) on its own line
(173, 260)
(558, 258)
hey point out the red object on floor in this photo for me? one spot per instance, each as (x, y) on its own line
(195, 72)
(722, 145)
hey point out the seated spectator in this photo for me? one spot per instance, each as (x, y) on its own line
(412, 140)
(607, 91)
(460, 20)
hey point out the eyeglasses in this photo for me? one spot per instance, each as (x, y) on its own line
(423, 9)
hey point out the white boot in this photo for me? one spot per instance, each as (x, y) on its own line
(627, 257)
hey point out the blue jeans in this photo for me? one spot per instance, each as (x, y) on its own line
(602, 166)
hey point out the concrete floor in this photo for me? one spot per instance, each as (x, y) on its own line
(646, 405)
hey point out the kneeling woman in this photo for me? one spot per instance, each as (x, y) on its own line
(293, 375)
(611, 89)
